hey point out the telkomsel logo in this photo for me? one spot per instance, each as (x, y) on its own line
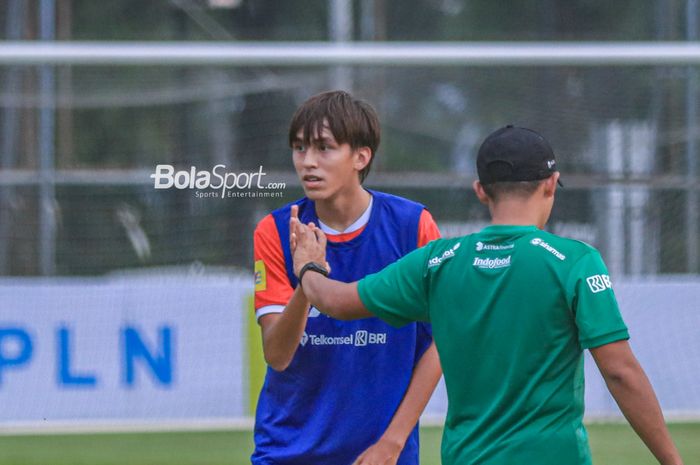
(205, 183)
(360, 338)
(598, 283)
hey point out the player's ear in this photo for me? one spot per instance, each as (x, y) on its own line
(363, 156)
(480, 192)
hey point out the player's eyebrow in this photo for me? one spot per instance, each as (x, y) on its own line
(322, 140)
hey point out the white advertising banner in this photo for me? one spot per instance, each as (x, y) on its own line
(122, 348)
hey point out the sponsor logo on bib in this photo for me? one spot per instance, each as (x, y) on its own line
(359, 338)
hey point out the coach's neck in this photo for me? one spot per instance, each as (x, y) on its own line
(520, 210)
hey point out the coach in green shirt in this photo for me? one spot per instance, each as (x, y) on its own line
(512, 308)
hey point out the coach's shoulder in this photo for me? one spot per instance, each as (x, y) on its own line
(571, 248)
(443, 250)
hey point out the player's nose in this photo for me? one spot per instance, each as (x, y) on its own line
(310, 158)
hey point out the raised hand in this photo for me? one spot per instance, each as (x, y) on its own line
(309, 244)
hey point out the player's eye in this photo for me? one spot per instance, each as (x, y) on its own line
(298, 147)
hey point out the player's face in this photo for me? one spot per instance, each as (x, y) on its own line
(325, 167)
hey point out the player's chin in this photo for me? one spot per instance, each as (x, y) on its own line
(315, 194)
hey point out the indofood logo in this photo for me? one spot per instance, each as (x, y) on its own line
(217, 182)
(360, 338)
(492, 263)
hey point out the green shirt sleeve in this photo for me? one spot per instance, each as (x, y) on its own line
(397, 294)
(594, 304)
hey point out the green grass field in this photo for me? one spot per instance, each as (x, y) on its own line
(612, 444)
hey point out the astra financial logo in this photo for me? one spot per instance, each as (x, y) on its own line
(481, 246)
(205, 183)
(360, 338)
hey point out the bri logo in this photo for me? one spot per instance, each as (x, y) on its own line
(449, 253)
(598, 283)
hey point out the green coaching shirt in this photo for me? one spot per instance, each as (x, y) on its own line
(512, 308)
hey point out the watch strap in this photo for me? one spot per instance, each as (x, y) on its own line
(312, 266)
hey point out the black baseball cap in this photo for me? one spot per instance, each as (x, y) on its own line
(515, 154)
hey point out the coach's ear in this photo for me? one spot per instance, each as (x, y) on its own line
(480, 192)
(550, 184)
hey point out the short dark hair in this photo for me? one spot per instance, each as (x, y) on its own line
(350, 120)
(498, 190)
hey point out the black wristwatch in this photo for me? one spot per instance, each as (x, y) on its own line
(312, 266)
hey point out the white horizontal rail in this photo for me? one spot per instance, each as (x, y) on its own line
(353, 53)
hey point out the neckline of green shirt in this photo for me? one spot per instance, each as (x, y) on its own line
(508, 229)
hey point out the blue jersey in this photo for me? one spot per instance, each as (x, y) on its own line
(347, 378)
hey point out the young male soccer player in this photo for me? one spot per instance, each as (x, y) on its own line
(512, 308)
(337, 390)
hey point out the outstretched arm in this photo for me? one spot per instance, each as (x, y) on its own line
(634, 394)
(334, 298)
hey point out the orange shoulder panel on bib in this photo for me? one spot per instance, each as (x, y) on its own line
(271, 282)
(427, 229)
